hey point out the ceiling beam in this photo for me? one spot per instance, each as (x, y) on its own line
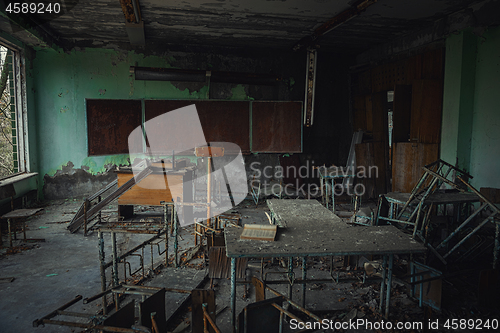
(334, 22)
(133, 22)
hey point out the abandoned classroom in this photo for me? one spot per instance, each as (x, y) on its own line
(249, 166)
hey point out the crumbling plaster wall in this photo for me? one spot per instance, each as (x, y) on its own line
(471, 114)
(60, 83)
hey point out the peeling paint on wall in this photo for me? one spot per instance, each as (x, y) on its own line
(239, 94)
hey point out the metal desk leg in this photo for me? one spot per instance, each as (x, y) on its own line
(304, 275)
(497, 244)
(322, 190)
(333, 195)
(10, 232)
(290, 277)
(382, 286)
(389, 283)
(233, 294)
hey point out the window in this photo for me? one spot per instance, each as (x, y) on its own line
(13, 157)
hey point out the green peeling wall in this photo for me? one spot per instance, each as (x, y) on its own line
(60, 82)
(470, 135)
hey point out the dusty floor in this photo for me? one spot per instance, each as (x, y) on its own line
(49, 274)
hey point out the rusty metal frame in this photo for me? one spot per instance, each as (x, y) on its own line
(95, 320)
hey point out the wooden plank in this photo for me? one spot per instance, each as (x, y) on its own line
(401, 115)
(371, 157)
(408, 160)
(381, 161)
(432, 64)
(426, 109)
(402, 166)
(490, 193)
(359, 111)
(369, 113)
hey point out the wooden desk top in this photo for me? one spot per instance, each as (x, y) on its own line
(19, 213)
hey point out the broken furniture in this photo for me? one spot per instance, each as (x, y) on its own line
(426, 194)
(265, 190)
(13, 217)
(429, 281)
(137, 251)
(268, 314)
(314, 231)
(86, 212)
(435, 199)
(203, 311)
(327, 176)
(164, 183)
(151, 312)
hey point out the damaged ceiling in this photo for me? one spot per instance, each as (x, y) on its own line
(263, 24)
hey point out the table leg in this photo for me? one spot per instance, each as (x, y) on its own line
(304, 276)
(233, 294)
(24, 230)
(322, 190)
(290, 277)
(382, 286)
(10, 232)
(389, 283)
(333, 195)
(497, 244)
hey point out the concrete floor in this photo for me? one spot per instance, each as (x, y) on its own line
(50, 273)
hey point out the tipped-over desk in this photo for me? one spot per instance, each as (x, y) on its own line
(313, 231)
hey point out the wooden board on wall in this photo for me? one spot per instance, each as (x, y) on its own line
(359, 111)
(109, 123)
(426, 109)
(401, 114)
(370, 157)
(277, 127)
(222, 121)
(408, 160)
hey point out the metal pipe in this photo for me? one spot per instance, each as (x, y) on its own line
(295, 305)
(461, 226)
(165, 216)
(497, 245)
(102, 271)
(389, 285)
(290, 276)
(176, 241)
(382, 286)
(209, 189)
(233, 294)
(135, 248)
(289, 314)
(38, 322)
(206, 316)
(304, 275)
(115, 268)
(470, 234)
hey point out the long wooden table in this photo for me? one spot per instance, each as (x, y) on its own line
(313, 231)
